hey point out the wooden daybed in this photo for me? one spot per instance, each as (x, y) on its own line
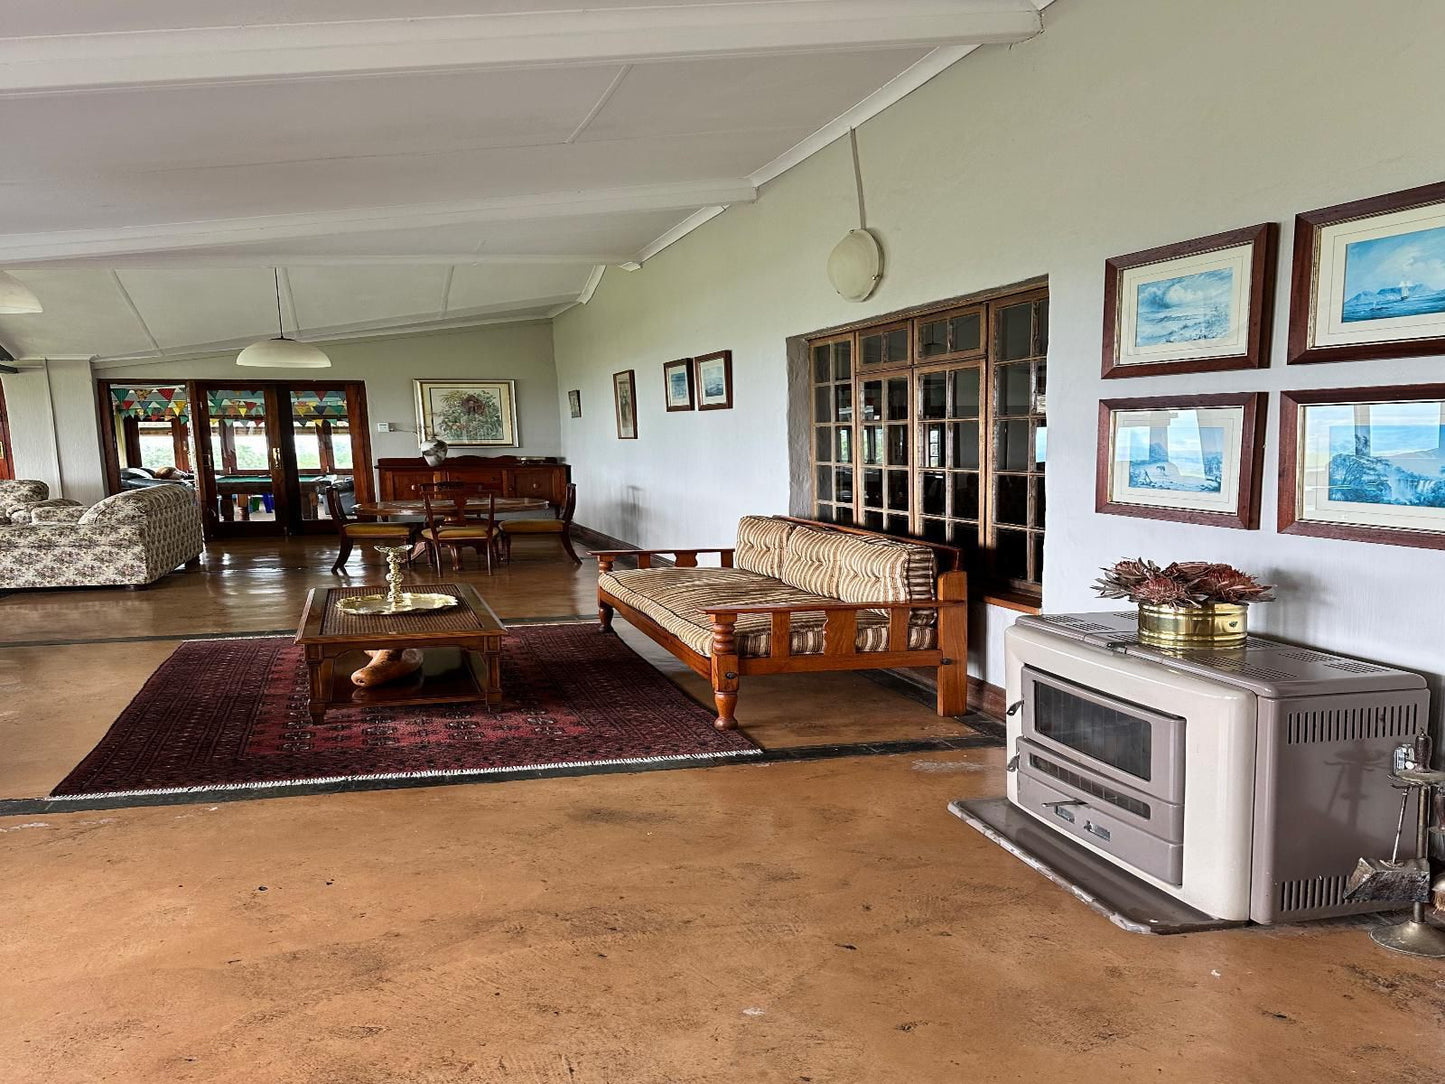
(797, 596)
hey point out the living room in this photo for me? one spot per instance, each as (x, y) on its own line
(338, 336)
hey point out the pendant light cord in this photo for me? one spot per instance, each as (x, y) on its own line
(858, 179)
(280, 327)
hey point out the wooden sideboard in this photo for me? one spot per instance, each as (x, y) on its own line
(508, 475)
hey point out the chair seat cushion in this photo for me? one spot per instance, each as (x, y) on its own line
(533, 526)
(677, 599)
(460, 532)
(378, 530)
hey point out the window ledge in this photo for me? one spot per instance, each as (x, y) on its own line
(1014, 600)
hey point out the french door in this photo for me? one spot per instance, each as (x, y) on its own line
(266, 449)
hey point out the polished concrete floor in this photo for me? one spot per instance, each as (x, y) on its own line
(820, 921)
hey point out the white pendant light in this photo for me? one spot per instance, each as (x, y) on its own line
(281, 352)
(16, 298)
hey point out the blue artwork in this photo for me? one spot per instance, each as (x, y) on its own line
(677, 389)
(1187, 309)
(1401, 465)
(1403, 275)
(1183, 458)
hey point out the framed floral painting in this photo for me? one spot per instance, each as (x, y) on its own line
(624, 394)
(1365, 464)
(1195, 306)
(475, 413)
(1369, 278)
(1194, 459)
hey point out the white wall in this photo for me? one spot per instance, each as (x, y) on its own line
(520, 352)
(1125, 125)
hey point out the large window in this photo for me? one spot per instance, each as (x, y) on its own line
(934, 427)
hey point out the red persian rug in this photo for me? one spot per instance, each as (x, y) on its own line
(229, 714)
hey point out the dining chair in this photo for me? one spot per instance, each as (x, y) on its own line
(348, 530)
(559, 527)
(449, 524)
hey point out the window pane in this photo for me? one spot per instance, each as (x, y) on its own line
(820, 364)
(845, 514)
(1038, 514)
(871, 406)
(157, 446)
(1011, 446)
(1038, 543)
(843, 485)
(932, 451)
(897, 347)
(842, 360)
(825, 484)
(824, 444)
(873, 521)
(1041, 323)
(873, 488)
(823, 404)
(1011, 499)
(965, 392)
(898, 490)
(1041, 446)
(935, 530)
(872, 437)
(308, 448)
(965, 496)
(823, 512)
(843, 397)
(898, 399)
(1011, 552)
(935, 494)
(844, 441)
(1013, 390)
(872, 349)
(341, 449)
(1016, 332)
(897, 525)
(965, 445)
(898, 445)
(932, 338)
(966, 331)
(965, 537)
(934, 395)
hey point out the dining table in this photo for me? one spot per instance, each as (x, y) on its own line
(400, 509)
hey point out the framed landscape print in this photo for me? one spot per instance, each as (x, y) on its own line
(1366, 464)
(677, 384)
(1193, 306)
(476, 413)
(1369, 278)
(714, 380)
(1195, 459)
(624, 394)
(574, 403)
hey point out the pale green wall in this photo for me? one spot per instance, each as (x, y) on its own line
(1127, 124)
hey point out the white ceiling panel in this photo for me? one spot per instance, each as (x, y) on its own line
(484, 285)
(183, 308)
(328, 297)
(82, 308)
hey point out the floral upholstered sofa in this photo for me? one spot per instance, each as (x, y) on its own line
(21, 497)
(132, 539)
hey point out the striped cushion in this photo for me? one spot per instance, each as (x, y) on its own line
(761, 542)
(857, 569)
(677, 599)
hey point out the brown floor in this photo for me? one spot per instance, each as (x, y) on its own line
(823, 921)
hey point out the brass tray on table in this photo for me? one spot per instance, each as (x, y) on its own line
(404, 603)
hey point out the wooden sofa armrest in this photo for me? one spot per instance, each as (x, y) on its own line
(682, 558)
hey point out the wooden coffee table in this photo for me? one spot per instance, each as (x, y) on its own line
(462, 649)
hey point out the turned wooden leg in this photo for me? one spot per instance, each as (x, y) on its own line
(604, 615)
(725, 670)
(566, 537)
(344, 555)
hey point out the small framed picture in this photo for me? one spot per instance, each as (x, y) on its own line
(677, 383)
(574, 402)
(1191, 307)
(714, 380)
(1369, 278)
(1366, 464)
(624, 394)
(1194, 459)
(476, 413)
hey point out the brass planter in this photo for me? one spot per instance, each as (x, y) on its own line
(1221, 624)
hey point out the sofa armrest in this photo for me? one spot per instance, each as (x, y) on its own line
(682, 558)
(58, 513)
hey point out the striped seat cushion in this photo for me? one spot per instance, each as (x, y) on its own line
(760, 546)
(859, 569)
(677, 599)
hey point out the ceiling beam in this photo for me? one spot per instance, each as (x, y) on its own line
(208, 55)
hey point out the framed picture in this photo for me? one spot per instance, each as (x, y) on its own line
(1193, 306)
(1192, 458)
(574, 402)
(1369, 278)
(479, 413)
(714, 380)
(1366, 464)
(677, 383)
(624, 393)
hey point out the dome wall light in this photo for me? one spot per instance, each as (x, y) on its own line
(855, 266)
(17, 299)
(281, 352)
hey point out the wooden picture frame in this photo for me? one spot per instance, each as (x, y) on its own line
(624, 399)
(677, 384)
(468, 413)
(1339, 512)
(1226, 321)
(1226, 496)
(574, 402)
(1351, 298)
(713, 380)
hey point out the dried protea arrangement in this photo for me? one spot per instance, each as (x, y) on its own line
(1182, 584)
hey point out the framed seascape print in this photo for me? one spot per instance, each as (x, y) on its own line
(624, 394)
(1196, 459)
(714, 380)
(479, 413)
(1193, 306)
(574, 402)
(1369, 278)
(1367, 464)
(677, 384)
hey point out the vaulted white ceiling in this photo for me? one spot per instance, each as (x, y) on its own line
(473, 160)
